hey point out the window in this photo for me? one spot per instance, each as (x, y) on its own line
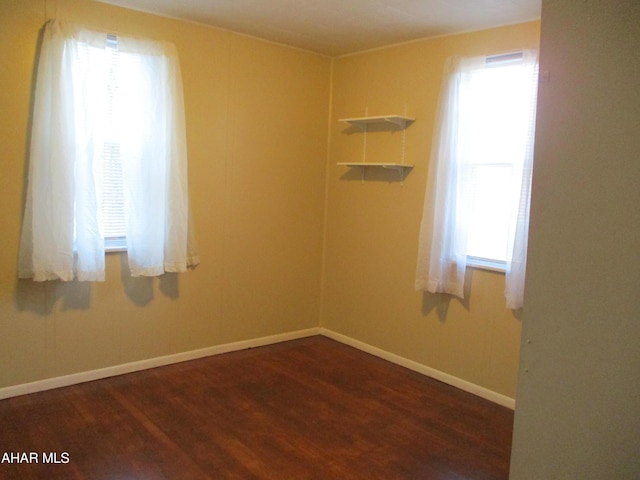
(494, 115)
(476, 213)
(108, 158)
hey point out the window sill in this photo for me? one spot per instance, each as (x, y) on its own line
(115, 244)
(487, 264)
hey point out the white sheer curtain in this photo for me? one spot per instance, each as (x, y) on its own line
(442, 257)
(517, 263)
(62, 235)
(442, 251)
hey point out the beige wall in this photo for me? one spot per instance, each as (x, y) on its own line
(256, 127)
(288, 240)
(372, 226)
(578, 413)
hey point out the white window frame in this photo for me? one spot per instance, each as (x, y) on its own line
(503, 61)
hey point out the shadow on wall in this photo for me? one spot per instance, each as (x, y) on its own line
(375, 174)
(140, 290)
(440, 301)
(41, 297)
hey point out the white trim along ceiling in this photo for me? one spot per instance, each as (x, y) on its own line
(340, 27)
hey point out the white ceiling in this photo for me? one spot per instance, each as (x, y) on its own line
(337, 27)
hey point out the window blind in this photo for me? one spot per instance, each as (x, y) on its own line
(113, 207)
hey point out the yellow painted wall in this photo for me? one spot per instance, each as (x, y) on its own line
(256, 117)
(287, 241)
(372, 226)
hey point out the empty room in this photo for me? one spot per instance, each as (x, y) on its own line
(231, 239)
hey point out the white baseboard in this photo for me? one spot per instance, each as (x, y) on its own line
(423, 369)
(89, 376)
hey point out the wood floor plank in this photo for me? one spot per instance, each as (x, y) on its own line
(305, 409)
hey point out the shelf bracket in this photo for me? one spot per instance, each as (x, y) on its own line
(398, 168)
(397, 121)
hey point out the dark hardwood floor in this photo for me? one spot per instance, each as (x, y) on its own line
(306, 409)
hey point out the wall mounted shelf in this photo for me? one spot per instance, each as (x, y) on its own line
(361, 122)
(401, 168)
(382, 122)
